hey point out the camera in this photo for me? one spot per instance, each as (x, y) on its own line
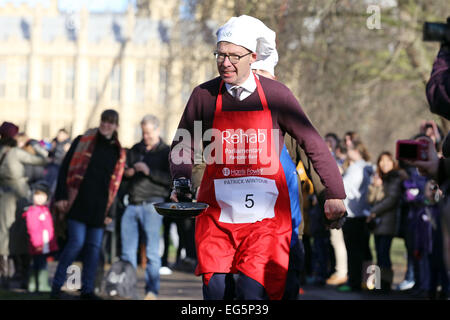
(412, 150)
(183, 188)
(437, 31)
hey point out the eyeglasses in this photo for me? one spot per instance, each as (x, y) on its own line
(234, 58)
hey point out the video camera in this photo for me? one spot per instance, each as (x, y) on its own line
(440, 32)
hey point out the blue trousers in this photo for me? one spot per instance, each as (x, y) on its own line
(228, 286)
(321, 254)
(79, 236)
(296, 267)
(146, 216)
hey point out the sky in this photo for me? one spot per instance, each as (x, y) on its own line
(92, 5)
(75, 5)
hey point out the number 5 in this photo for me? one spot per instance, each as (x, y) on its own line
(247, 199)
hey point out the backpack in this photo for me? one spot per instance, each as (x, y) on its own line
(121, 280)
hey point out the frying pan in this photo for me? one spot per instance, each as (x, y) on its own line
(180, 209)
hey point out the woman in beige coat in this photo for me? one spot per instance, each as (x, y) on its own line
(13, 187)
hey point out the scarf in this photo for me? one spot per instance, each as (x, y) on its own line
(80, 162)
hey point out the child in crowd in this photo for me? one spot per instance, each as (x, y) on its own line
(42, 240)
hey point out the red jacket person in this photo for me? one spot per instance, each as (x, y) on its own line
(243, 238)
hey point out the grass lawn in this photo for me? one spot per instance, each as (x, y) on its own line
(22, 295)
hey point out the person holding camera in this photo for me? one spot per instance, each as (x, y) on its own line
(438, 96)
(438, 169)
(438, 87)
(148, 171)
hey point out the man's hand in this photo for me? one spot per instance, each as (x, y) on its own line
(428, 167)
(181, 190)
(173, 196)
(142, 167)
(108, 220)
(334, 209)
(335, 213)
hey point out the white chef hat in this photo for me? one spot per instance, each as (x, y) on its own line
(254, 35)
(249, 33)
(240, 31)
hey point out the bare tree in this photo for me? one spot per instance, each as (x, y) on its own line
(345, 75)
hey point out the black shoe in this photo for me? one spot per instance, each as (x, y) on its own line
(432, 295)
(442, 295)
(55, 294)
(89, 296)
(420, 294)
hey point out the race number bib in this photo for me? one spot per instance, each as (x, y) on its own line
(246, 199)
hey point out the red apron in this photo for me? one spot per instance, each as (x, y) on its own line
(247, 227)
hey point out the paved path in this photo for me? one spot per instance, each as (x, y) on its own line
(178, 286)
(186, 286)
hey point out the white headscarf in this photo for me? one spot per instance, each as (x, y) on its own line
(254, 35)
(266, 60)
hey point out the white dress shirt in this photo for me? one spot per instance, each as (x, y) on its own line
(249, 87)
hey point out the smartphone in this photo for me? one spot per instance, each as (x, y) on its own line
(412, 150)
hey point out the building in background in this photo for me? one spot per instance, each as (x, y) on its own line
(61, 69)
